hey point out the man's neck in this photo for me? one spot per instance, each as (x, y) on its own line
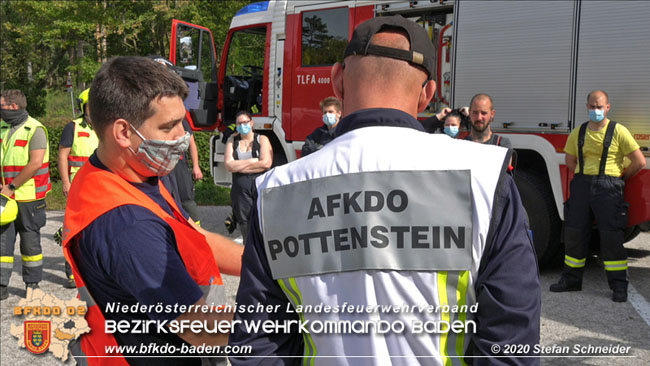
(117, 164)
(597, 126)
(481, 137)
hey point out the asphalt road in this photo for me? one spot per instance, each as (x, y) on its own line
(575, 320)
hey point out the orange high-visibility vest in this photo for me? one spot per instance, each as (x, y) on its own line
(108, 192)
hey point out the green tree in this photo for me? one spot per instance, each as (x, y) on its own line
(41, 41)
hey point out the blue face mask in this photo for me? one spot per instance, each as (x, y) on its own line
(329, 119)
(451, 130)
(244, 128)
(597, 115)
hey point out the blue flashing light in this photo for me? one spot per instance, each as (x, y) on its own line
(253, 8)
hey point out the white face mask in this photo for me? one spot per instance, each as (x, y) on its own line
(161, 156)
(329, 119)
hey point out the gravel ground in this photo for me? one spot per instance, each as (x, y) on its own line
(580, 318)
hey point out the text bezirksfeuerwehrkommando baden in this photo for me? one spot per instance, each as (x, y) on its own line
(341, 326)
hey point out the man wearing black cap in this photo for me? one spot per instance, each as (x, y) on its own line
(380, 247)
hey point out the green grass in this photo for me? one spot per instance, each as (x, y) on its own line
(55, 199)
(58, 113)
(207, 193)
(58, 110)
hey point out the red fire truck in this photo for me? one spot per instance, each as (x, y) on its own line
(537, 59)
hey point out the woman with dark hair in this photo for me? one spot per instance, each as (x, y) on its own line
(247, 156)
(437, 122)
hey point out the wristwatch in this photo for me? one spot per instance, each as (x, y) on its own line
(12, 186)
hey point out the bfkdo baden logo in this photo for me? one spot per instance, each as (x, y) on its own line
(37, 335)
(48, 324)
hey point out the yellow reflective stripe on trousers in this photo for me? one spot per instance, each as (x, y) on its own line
(7, 262)
(615, 265)
(574, 262)
(33, 260)
(295, 297)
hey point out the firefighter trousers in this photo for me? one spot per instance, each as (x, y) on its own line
(28, 224)
(599, 198)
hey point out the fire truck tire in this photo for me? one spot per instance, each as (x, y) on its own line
(278, 159)
(543, 218)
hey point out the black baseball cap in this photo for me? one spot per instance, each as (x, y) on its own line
(420, 54)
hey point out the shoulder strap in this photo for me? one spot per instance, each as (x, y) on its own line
(235, 145)
(607, 141)
(581, 143)
(498, 140)
(256, 146)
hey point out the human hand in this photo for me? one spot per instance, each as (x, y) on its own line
(442, 114)
(197, 174)
(7, 191)
(465, 111)
(65, 187)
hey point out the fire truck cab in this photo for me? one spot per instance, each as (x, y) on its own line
(538, 61)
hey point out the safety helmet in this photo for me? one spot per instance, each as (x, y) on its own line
(82, 100)
(9, 210)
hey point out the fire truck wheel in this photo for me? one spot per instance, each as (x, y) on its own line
(543, 218)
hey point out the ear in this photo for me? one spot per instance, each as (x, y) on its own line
(337, 80)
(121, 132)
(427, 93)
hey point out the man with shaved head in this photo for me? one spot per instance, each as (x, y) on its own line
(388, 228)
(595, 152)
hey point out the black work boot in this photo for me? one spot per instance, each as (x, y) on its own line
(4, 292)
(619, 295)
(565, 285)
(32, 285)
(231, 223)
(620, 292)
(69, 283)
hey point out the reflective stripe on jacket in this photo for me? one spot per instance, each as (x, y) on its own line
(110, 191)
(15, 156)
(84, 144)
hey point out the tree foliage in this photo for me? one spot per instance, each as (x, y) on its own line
(42, 41)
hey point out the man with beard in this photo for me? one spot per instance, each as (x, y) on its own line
(481, 115)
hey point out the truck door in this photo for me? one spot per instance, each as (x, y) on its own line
(243, 66)
(322, 35)
(192, 51)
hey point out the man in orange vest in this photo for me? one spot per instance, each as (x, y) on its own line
(78, 142)
(135, 254)
(25, 178)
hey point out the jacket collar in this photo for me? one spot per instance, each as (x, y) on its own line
(374, 117)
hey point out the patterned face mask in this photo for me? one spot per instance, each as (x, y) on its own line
(160, 156)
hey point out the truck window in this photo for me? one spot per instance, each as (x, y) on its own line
(324, 36)
(208, 68)
(194, 52)
(244, 72)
